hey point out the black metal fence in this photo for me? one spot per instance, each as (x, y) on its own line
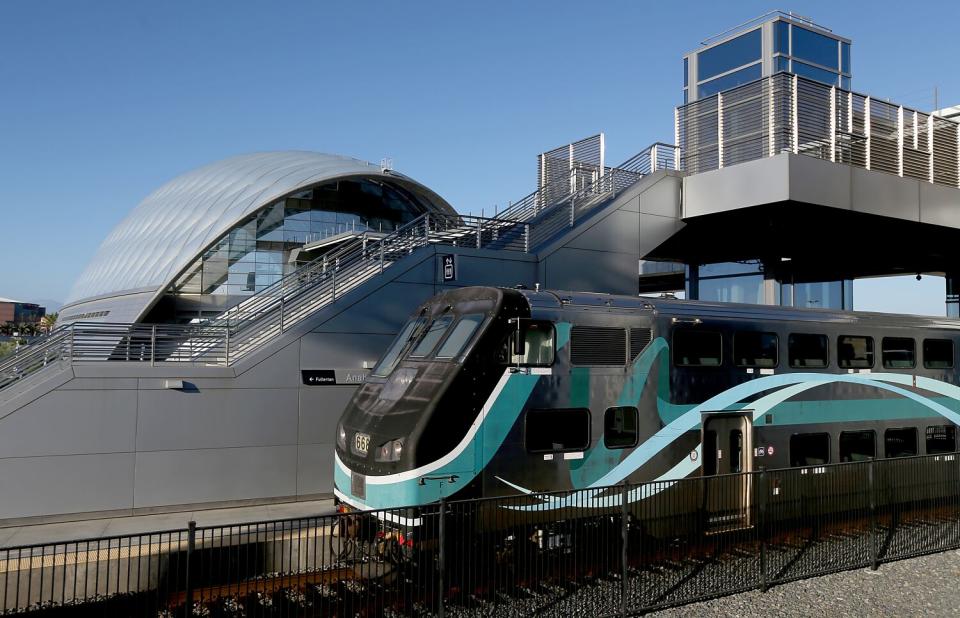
(600, 552)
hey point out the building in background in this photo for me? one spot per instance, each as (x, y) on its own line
(18, 312)
(761, 47)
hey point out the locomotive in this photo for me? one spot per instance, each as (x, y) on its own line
(494, 392)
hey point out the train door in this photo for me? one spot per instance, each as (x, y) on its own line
(727, 454)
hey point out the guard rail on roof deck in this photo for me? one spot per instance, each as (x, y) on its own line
(789, 113)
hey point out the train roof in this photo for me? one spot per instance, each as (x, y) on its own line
(559, 300)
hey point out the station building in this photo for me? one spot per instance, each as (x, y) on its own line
(210, 346)
(19, 312)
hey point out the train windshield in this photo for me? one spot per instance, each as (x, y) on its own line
(437, 328)
(408, 335)
(461, 334)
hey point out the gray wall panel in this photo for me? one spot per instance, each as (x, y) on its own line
(320, 410)
(315, 469)
(71, 422)
(939, 205)
(487, 270)
(617, 231)
(384, 311)
(212, 475)
(215, 418)
(73, 484)
(885, 194)
(278, 370)
(338, 350)
(764, 181)
(663, 198)
(591, 271)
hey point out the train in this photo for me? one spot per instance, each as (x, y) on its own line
(491, 392)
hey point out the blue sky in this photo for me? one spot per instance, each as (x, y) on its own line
(103, 102)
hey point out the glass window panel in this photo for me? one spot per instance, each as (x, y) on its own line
(823, 295)
(696, 348)
(781, 63)
(898, 352)
(742, 50)
(730, 80)
(809, 449)
(736, 450)
(620, 427)
(941, 439)
(538, 346)
(781, 37)
(845, 83)
(820, 75)
(685, 71)
(557, 430)
(733, 289)
(855, 352)
(845, 57)
(900, 442)
(814, 47)
(460, 336)
(408, 334)
(938, 353)
(808, 351)
(753, 349)
(728, 268)
(857, 445)
(433, 335)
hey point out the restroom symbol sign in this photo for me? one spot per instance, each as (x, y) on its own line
(449, 267)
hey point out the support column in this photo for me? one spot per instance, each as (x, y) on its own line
(692, 290)
(953, 295)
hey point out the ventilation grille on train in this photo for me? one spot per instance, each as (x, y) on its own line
(639, 339)
(596, 345)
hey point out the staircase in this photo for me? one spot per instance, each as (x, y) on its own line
(527, 225)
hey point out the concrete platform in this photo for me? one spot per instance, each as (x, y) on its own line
(16, 536)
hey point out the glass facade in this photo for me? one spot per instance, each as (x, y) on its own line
(732, 54)
(260, 250)
(780, 42)
(747, 282)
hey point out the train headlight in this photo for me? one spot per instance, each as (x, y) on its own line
(390, 451)
(341, 437)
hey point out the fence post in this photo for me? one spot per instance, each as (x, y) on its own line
(873, 514)
(762, 525)
(572, 206)
(381, 255)
(479, 232)
(526, 238)
(442, 556)
(281, 308)
(191, 546)
(153, 344)
(625, 536)
(226, 346)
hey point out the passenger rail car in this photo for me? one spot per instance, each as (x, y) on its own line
(491, 392)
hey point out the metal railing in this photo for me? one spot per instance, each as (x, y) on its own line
(145, 343)
(789, 113)
(607, 551)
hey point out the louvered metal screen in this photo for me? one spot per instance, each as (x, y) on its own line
(639, 339)
(598, 345)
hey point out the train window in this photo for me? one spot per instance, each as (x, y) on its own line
(709, 452)
(938, 353)
(855, 352)
(460, 335)
(941, 439)
(558, 430)
(408, 334)
(900, 442)
(898, 352)
(753, 349)
(620, 427)
(858, 445)
(808, 351)
(436, 330)
(692, 348)
(598, 346)
(809, 449)
(538, 346)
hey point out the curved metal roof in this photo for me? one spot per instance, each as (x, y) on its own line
(168, 230)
